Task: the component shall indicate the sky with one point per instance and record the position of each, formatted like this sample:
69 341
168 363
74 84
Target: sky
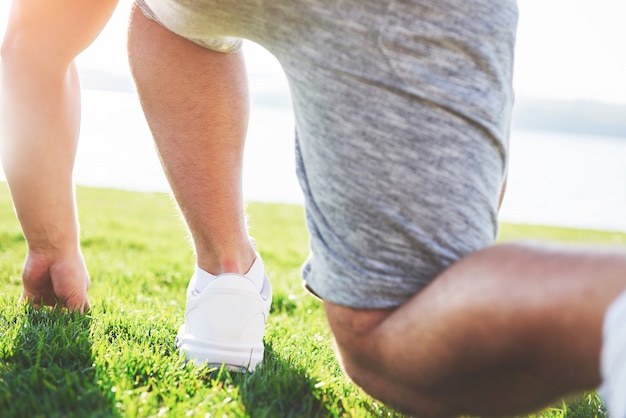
566 49
572 49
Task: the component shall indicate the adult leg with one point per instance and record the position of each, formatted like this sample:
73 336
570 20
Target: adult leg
196 103
41 118
396 184
505 330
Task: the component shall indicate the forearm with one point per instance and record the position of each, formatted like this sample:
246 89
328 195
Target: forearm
41 117
41 112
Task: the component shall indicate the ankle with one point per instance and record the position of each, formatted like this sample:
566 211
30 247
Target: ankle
201 279
228 259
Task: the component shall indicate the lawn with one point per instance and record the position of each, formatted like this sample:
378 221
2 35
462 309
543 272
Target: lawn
120 359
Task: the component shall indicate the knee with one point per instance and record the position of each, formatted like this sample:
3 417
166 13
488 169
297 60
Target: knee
366 370
361 354
353 330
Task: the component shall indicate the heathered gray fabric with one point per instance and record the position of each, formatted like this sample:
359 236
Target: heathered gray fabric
402 115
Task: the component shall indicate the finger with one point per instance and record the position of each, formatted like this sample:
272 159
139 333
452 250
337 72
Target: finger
77 302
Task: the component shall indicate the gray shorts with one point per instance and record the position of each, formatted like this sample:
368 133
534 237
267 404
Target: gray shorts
402 114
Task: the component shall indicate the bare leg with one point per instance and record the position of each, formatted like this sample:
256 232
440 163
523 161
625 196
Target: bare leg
41 118
196 103
504 331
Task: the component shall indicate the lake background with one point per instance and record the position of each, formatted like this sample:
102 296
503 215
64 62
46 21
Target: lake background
555 178
568 145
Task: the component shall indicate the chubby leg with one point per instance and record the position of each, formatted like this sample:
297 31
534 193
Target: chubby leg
40 119
196 103
503 331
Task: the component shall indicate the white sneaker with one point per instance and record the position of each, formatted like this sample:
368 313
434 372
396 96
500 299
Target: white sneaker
613 358
225 323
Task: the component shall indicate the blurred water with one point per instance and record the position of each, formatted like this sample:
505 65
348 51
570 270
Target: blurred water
556 179
566 179
116 149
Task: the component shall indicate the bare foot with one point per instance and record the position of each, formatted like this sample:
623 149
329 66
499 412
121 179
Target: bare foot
51 280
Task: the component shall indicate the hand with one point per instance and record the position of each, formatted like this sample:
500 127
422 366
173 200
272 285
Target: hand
56 279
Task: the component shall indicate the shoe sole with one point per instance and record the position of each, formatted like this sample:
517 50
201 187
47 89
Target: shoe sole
232 356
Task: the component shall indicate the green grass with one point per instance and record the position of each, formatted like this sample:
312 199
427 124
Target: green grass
120 359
